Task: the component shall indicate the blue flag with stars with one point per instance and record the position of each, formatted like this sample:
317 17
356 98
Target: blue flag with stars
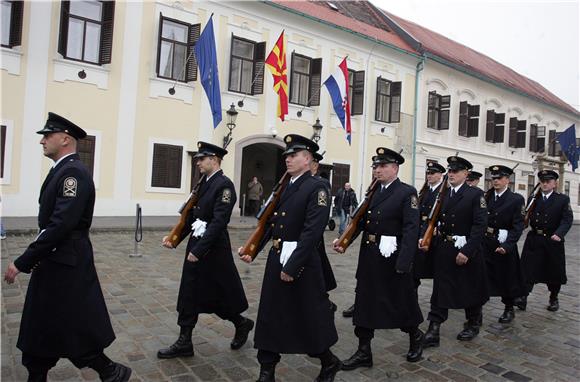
206 56
567 141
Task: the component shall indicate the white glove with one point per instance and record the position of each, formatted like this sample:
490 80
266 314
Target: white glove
288 248
460 241
198 228
502 235
388 245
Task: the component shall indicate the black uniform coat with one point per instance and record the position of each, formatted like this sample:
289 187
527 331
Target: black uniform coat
294 317
212 284
460 286
503 271
64 313
329 279
543 259
385 298
423 268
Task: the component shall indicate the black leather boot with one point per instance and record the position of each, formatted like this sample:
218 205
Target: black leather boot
431 338
333 306
115 372
183 347
242 331
521 302
507 316
37 376
415 345
470 330
363 357
349 312
267 371
328 371
554 303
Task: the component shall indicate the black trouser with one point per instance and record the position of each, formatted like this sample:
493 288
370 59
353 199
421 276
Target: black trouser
508 301
41 365
365 335
253 206
439 315
268 357
554 289
189 319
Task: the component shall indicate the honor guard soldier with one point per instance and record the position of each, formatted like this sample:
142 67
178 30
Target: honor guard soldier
294 315
505 223
64 315
459 280
473 178
423 266
210 282
386 296
329 279
543 256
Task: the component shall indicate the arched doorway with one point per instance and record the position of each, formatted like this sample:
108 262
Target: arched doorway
259 156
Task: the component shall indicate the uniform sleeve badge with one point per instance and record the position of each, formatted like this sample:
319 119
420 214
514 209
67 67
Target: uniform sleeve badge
70 187
414 202
227 195
482 202
322 198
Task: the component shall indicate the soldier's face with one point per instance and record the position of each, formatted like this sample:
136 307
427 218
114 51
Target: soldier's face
457 177
314 167
385 172
297 163
52 144
206 165
434 178
472 183
548 185
500 183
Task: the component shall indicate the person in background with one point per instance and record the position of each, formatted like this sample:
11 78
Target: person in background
473 178
345 202
255 192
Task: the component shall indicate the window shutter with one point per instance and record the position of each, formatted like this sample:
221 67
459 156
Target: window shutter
166 170
513 140
444 120
473 123
63 33
378 99
395 102
463 112
86 151
159 43
106 48
191 70
474 110
15 38
521 141
2 149
489 126
534 137
258 72
358 93
290 84
445 102
499 128
315 81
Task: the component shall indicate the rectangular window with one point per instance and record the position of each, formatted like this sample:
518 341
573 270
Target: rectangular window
86 151
388 105
517 133
340 176
531 184
175 57
305 80
247 66
494 127
86 31
11 28
554 149
567 188
166 170
468 120
537 138
356 82
2 150
438 111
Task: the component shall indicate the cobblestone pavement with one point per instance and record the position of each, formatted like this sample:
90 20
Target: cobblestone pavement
141 295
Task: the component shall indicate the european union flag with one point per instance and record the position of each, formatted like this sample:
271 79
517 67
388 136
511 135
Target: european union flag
206 56
567 142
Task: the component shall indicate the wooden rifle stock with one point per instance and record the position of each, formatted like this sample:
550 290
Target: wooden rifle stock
434 214
531 204
175 236
251 246
347 236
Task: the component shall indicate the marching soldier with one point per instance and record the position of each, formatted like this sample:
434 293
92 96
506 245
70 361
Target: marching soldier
543 256
505 223
423 267
459 280
294 315
329 279
210 282
64 313
386 297
473 178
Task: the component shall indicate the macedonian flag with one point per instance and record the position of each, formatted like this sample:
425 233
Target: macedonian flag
276 62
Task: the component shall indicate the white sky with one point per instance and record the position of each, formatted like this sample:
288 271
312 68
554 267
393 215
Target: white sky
536 38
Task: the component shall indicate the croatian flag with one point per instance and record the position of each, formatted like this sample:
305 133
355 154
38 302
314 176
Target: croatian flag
337 85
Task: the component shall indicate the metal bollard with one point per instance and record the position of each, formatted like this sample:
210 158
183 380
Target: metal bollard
138 232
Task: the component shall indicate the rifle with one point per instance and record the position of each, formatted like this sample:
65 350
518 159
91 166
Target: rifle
348 235
531 204
434 214
175 236
251 246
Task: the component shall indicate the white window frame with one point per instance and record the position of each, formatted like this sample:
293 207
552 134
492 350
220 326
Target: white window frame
166 190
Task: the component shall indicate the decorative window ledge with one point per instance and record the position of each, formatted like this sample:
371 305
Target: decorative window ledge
307 113
383 129
159 87
11 60
67 70
251 102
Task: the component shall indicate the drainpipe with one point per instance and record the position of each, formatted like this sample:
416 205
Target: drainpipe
418 69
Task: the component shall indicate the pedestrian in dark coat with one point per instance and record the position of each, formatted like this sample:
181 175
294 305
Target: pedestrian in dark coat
386 296
294 315
459 279
543 256
64 315
210 282
505 223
